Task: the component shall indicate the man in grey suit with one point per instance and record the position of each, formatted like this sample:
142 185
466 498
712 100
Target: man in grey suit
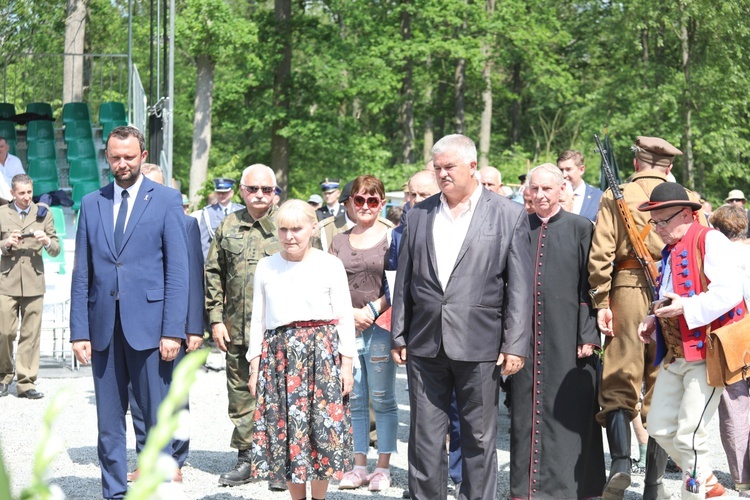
462 311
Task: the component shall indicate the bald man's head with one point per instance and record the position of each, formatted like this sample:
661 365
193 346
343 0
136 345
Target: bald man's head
153 172
422 185
491 179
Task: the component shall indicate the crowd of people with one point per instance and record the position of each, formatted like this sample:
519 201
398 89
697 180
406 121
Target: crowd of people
473 288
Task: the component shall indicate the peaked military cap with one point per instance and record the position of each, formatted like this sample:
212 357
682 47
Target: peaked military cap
223 185
655 151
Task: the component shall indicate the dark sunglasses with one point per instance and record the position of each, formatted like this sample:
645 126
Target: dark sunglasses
254 189
372 201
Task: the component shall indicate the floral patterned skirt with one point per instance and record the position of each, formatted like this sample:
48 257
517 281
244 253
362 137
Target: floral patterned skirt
302 423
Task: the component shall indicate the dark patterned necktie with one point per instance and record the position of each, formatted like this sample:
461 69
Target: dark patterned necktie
120 224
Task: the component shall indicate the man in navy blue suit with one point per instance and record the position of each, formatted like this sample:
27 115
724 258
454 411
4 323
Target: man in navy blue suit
193 329
585 196
129 296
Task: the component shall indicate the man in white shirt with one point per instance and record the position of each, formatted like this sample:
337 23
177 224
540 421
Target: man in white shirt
461 318
10 165
585 196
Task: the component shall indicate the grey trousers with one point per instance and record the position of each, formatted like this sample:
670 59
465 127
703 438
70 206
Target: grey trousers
477 385
734 424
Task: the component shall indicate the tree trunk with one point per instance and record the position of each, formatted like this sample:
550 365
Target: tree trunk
485 130
686 37
459 95
429 128
204 98
75 30
515 111
407 91
281 84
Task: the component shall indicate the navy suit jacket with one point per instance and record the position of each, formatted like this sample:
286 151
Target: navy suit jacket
196 295
486 306
590 206
150 272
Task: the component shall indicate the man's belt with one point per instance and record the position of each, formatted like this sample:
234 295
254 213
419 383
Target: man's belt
628 264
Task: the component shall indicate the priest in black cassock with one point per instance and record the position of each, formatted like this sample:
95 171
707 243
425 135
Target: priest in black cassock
556 445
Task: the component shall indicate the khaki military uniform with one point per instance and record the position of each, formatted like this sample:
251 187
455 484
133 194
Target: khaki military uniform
22 290
238 244
623 288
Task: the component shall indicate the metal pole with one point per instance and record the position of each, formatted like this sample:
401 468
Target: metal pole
130 62
170 103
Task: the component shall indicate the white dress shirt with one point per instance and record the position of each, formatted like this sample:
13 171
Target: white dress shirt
132 195
579 194
448 234
11 168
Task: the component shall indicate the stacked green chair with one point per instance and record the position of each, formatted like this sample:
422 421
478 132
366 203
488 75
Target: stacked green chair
8 130
83 169
40 108
79 149
108 127
76 112
81 189
111 116
40 130
78 130
112 112
41 149
45 186
7 110
58 216
43 169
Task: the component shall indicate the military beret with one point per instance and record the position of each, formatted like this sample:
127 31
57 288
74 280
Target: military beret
329 184
655 151
666 195
223 185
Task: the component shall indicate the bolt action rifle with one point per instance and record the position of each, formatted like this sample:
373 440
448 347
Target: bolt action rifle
642 255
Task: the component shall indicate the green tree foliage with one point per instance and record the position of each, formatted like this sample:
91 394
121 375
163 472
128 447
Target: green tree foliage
561 72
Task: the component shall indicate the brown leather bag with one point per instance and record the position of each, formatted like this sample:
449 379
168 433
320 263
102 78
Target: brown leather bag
728 353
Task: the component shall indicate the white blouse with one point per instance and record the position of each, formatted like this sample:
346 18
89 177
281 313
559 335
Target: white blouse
315 288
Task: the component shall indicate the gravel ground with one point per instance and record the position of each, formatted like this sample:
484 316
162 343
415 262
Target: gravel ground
76 469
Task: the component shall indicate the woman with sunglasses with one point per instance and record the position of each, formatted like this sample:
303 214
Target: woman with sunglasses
300 353
363 249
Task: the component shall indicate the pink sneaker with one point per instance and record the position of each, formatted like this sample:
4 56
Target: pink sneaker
354 479
380 479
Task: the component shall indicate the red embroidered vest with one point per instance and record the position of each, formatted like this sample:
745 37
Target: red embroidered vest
686 282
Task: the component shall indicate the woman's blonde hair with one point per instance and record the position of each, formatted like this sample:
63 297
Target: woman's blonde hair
294 212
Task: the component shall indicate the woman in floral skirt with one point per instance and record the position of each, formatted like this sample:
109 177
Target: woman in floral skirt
301 350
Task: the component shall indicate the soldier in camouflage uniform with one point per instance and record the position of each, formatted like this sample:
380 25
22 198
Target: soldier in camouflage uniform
241 240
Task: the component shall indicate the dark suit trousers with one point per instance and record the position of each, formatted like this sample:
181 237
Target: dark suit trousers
431 382
114 368
180 448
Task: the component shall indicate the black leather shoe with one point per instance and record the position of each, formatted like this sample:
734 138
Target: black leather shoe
4 388
242 472
31 394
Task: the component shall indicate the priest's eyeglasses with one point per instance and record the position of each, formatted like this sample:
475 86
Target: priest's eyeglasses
663 222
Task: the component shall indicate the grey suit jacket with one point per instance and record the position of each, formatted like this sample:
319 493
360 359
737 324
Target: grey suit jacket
486 307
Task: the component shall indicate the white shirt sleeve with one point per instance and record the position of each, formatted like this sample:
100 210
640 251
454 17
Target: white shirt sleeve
724 290
258 319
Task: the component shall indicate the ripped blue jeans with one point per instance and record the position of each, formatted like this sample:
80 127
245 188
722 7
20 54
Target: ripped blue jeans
374 380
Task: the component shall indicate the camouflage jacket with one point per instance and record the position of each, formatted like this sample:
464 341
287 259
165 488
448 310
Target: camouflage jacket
239 243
